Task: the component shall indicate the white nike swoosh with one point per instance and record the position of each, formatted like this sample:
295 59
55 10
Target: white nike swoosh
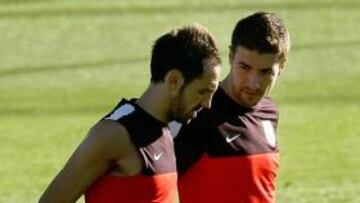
157 156
229 139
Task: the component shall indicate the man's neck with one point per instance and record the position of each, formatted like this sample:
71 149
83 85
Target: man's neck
154 102
226 86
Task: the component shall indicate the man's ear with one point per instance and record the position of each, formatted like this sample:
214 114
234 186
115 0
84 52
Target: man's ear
174 80
281 67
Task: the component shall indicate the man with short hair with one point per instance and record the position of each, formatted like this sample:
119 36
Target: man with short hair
128 155
229 153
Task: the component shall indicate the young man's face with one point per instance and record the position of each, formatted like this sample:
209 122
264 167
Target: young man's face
252 75
197 94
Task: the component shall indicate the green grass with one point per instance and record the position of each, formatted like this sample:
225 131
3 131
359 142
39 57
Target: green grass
64 64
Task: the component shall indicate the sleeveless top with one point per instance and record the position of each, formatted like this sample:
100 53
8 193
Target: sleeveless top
157 181
229 153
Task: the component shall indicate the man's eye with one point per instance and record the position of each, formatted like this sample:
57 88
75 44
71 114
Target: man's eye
202 92
267 72
244 67
205 91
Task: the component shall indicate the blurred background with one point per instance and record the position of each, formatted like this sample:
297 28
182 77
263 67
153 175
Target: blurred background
65 64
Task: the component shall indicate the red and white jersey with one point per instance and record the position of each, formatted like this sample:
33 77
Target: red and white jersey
229 153
157 181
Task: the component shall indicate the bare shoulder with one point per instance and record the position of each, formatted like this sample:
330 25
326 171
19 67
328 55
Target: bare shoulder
109 137
106 142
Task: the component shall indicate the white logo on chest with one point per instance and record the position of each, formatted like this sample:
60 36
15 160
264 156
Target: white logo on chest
230 139
157 156
269 132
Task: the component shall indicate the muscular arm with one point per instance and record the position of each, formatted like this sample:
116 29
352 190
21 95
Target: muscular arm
107 141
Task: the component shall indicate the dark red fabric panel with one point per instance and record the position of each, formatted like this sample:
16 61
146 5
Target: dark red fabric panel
243 179
133 189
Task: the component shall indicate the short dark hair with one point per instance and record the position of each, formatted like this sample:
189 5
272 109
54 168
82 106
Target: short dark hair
183 49
263 32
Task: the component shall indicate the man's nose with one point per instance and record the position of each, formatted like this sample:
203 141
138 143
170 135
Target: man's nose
206 103
254 81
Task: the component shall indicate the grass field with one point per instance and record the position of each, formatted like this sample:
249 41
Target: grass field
64 64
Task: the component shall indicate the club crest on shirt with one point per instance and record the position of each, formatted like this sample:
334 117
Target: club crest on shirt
269 132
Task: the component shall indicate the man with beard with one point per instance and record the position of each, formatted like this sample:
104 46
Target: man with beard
229 153
128 155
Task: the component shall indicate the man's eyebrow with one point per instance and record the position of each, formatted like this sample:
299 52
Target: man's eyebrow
247 65
244 64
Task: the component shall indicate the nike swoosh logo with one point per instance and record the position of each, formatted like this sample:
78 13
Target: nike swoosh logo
157 156
229 139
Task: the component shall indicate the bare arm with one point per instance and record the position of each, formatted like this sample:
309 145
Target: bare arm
107 141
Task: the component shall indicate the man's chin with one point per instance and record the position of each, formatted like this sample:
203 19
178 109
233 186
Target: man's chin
183 121
187 119
251 102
